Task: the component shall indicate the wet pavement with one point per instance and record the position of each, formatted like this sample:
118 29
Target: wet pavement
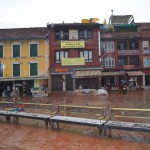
32 134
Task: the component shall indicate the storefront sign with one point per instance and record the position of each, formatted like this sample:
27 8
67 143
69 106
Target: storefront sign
128 67
61 71
72 44
146 71
58 70
72 61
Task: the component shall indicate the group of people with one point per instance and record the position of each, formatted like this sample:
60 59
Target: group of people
10 91
122 86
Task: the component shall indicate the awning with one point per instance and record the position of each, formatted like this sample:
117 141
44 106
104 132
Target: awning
109 73
135 73
87 73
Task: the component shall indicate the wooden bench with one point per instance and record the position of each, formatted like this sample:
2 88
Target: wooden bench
128 126
77 121
128 118
18 115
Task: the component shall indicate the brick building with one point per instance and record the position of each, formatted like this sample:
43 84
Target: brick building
74 55
125 51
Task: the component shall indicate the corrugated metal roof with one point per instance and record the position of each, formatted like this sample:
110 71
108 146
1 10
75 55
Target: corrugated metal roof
121 19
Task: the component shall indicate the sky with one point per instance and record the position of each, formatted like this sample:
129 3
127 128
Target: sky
37 13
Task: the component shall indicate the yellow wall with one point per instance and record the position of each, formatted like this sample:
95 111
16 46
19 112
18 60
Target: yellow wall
43 59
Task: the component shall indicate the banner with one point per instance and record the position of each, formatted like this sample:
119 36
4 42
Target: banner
73 61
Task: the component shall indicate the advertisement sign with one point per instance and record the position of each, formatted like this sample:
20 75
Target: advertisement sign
72 44
72 61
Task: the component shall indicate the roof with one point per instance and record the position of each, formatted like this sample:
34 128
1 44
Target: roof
23 33
144 25
120 35
121 19
72 25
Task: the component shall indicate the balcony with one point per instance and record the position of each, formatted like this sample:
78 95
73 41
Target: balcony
128 52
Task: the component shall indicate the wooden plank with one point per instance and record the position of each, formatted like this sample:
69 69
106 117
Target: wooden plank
3 113
129 126
130 109
77 121
29 115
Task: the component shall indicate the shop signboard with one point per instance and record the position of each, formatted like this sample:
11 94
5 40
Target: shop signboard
72 44
128 66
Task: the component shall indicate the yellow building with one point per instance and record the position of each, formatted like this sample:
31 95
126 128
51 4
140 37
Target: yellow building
24 59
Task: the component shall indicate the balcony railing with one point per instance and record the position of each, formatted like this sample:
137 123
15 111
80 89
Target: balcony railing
128 52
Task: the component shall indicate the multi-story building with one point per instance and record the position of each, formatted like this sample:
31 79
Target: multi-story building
74 55
125 51
24 58
144 31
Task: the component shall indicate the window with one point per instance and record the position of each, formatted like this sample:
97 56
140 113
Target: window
85 35
1 69
1 51
87 54
33 69
145 45
122 45
108 46
134 61
122 61
16 70
146 62
59 55
16 51
61 35
109 62
133 45
33 50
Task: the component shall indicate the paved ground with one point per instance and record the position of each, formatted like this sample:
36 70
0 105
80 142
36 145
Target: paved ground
30 135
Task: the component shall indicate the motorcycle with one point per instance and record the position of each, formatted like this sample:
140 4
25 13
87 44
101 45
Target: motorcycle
124 89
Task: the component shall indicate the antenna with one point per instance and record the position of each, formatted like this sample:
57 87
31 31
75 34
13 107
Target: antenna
112 12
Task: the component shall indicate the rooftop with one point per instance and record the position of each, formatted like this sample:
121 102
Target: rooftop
23 33
121 19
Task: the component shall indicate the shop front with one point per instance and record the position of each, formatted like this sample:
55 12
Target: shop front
87 78
23 86
137 78
147 77
61 79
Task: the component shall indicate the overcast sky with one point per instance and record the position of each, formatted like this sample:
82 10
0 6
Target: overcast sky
37 13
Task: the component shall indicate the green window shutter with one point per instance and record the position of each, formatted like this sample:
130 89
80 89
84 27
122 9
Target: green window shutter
1 51
16 70
16 50
33 69
1 70
33 50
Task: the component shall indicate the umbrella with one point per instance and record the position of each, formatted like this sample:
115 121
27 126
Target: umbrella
123 81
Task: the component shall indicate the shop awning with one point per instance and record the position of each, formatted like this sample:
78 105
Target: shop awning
109 73
135 73
87 73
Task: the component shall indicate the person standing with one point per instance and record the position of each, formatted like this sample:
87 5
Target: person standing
8 90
